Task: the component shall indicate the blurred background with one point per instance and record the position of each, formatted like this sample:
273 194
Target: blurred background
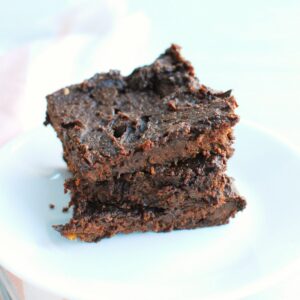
252 47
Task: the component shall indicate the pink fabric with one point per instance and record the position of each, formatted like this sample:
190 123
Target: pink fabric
17 284
13 68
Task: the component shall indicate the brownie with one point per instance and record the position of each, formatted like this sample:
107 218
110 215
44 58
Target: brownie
95 221
160 186
112 124
147 151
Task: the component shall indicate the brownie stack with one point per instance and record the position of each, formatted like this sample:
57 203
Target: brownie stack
147 151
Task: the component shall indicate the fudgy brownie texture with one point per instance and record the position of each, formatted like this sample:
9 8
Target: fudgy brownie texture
93 221
147 151
159 186
111 124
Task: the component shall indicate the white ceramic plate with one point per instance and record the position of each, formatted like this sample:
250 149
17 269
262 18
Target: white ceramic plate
230 261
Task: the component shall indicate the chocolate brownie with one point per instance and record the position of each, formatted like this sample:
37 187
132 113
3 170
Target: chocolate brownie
111 124
159 186
147 152
93 221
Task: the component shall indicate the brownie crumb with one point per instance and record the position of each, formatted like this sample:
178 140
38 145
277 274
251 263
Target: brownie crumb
66 91
172 105
51 206
47 120
146 146
65 209
152 171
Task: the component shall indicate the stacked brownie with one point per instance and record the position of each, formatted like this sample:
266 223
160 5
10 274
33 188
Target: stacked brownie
147 151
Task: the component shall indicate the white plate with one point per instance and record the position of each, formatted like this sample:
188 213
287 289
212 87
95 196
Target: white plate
234 260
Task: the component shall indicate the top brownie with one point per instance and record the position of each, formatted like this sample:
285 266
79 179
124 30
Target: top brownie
111 124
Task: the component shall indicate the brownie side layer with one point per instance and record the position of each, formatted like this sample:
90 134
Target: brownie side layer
159 186
94 223
111 125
